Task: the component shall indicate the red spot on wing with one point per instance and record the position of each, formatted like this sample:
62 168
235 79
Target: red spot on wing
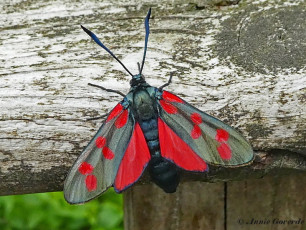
196 118
91 183
175 149
225 151
100 142
108 153
122 119
134 161
169 108
118 108
86 168
196 132
222 135
171 97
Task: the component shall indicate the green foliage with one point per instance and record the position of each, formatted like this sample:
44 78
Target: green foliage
46 211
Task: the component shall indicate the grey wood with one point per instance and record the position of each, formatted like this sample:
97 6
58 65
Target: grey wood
243 63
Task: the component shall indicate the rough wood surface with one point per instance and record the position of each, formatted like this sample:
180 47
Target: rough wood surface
244 64
185 209
272 203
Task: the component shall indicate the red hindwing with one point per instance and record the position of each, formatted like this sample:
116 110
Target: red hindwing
175 149
135 159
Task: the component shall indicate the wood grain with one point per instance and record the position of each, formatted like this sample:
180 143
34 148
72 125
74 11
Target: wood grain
272 203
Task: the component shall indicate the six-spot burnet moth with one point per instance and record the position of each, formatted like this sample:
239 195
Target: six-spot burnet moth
154 129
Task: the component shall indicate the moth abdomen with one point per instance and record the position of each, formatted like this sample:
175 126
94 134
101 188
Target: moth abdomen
164 173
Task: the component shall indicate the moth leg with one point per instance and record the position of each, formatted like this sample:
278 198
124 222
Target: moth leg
97 118
168 83
107 90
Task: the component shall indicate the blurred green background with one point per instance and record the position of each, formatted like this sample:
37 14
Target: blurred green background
46 211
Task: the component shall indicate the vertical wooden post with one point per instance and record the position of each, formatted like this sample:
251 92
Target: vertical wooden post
263 204
195 205
272 203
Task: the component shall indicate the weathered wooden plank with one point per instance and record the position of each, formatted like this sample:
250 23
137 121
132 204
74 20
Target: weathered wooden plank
48 60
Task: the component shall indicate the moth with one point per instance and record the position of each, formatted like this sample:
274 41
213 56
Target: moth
154 129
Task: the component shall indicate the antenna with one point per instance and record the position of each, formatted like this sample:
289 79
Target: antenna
96 39
146 39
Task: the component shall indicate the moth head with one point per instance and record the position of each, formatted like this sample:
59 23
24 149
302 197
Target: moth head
137 80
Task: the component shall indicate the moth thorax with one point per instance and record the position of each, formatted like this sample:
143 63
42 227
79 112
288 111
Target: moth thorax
143 105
